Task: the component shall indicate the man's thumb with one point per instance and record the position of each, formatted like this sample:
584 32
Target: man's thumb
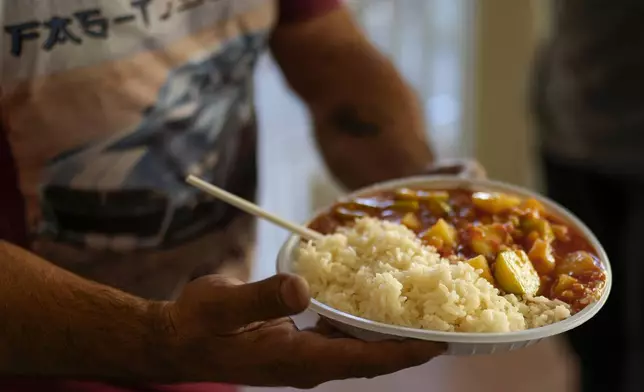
278 296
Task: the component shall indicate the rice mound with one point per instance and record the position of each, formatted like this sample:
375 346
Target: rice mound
381 271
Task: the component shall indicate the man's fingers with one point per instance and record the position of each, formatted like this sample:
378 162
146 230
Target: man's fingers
221 281
323 327
279 296
372 359
338 359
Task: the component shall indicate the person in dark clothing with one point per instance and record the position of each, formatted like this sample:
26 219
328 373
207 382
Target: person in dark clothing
588 104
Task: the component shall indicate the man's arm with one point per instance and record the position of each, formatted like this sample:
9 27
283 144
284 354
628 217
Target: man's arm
369 124
54 323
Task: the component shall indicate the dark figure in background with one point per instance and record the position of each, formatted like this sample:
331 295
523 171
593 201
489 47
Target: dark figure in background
588 101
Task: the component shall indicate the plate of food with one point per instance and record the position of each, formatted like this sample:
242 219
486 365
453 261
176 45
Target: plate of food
481 265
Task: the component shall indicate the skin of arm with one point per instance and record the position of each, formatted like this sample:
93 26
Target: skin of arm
54 323
57 325
368 122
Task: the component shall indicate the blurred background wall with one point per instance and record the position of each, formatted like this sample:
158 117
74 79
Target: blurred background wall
504 44
469 61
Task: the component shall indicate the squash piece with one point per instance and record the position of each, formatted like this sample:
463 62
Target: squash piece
532 222
405 205
439 207
411 221
494 203
515 274
577 263
542 257
443 231
564 282
480 263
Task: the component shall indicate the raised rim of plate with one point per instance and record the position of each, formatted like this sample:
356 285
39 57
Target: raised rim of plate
285 259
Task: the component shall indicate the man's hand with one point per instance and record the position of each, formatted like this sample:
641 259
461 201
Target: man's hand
219 330
240 333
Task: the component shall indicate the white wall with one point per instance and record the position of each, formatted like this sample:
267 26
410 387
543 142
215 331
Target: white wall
504 49
507 34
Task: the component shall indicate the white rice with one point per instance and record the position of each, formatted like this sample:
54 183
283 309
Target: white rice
381 271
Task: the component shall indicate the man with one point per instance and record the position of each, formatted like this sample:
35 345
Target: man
106 106
589 100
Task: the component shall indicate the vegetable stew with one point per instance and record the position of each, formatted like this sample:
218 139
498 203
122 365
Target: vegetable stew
516 243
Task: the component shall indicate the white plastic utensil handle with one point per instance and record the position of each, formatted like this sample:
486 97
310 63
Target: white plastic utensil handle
252 208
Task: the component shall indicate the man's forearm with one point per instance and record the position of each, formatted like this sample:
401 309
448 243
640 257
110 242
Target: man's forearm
54 323
369 123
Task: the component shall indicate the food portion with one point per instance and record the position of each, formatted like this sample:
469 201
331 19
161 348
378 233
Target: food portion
452 260
383 271
525 251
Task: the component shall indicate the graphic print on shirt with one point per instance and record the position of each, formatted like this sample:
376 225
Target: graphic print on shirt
128 191
107 106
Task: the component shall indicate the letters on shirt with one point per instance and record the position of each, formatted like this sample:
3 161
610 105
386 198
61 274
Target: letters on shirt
88 24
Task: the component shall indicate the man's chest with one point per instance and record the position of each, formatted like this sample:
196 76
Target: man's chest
94 92
108 104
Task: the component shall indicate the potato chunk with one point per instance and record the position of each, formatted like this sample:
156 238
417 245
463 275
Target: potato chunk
480 263
561 233
515 273
486 240
533 205
564 282
494 203
542 257
411 221
577 263
443 231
